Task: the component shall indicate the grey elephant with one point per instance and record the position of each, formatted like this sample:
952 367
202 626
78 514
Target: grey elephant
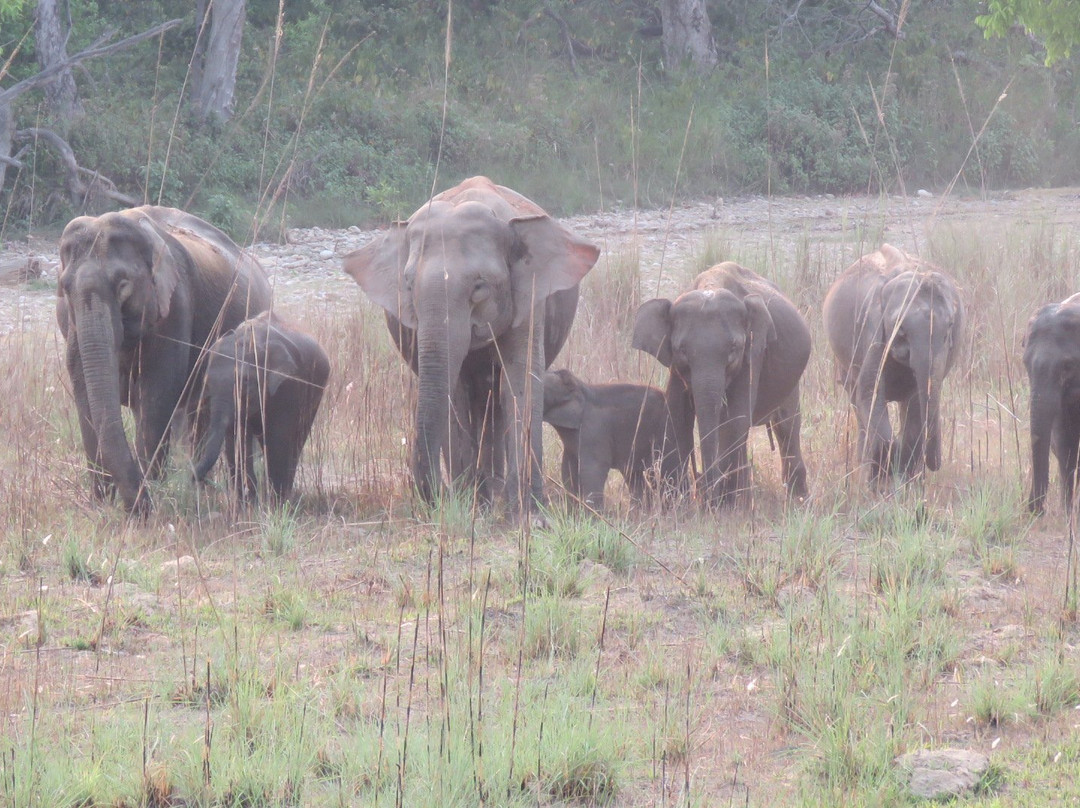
612 426
263 385
480 286
1052 360
737 349
895 326
141 293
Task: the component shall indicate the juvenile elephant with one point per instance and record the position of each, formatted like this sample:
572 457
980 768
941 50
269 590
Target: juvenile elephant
612 426
1052 360
264 383
141 293
895 326
480 286
737 349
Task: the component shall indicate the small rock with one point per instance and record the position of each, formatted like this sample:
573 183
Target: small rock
922 192
178 564
325 254
944 772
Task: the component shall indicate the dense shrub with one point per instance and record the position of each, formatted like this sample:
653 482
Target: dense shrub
344 122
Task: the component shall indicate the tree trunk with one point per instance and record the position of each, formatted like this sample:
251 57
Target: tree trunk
687 34
7 137
215 73
50 38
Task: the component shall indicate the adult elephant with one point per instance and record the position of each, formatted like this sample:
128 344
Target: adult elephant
141 293
895 327
736 348
480 285
1052 360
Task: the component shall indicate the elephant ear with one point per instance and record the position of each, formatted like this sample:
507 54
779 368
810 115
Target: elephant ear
379 268
264 360
279 367
761 329
564 399
163 267
545 258
652 329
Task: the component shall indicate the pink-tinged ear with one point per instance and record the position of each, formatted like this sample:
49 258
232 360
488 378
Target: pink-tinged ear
379 268
163 270
652 329
545 258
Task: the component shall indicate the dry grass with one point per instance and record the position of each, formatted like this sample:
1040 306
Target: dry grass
353 651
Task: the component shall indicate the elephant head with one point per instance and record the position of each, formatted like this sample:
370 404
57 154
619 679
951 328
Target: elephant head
140 292
921 322
714 341
473 267
564 399
1052 361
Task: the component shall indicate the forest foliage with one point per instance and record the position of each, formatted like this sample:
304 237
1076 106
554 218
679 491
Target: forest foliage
349 113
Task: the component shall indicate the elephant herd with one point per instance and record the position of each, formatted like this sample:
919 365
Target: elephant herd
164 314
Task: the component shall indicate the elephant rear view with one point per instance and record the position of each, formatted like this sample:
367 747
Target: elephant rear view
737 349
895 326
480 286
141 293
263 384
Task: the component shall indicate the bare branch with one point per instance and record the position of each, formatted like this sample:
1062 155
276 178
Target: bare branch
95 50
892 23
79 190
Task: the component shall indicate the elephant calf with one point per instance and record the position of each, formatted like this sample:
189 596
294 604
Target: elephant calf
1052 360
264 382
895 326
611 426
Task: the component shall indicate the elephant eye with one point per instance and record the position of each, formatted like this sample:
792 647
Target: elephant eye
481 291
124 290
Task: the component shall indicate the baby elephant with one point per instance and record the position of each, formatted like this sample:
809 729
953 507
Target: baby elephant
611 426
264 382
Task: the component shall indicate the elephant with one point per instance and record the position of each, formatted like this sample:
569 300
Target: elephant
895 325
264 382
612 426
141 293
480 287
1052 360
736 349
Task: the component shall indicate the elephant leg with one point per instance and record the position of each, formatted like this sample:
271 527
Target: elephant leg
571 477
786 425
1067 448
912 437
459 448
155 397
733 460
593 477
875 432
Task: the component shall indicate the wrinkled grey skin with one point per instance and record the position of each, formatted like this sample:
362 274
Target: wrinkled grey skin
488 283
141 293
264 382
737 349
1052 360
895 327
612 426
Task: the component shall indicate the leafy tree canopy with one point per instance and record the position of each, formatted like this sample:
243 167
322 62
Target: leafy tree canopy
1056 23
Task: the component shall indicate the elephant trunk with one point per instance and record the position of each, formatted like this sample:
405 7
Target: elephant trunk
98 346
441 354
1045 410
710 404
222 419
